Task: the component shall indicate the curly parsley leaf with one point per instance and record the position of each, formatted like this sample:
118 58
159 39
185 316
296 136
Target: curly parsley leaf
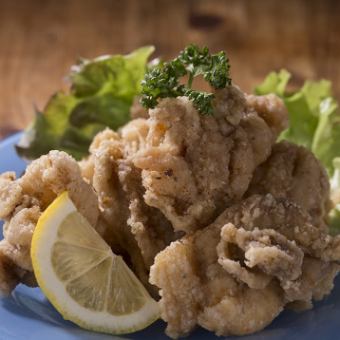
163 80
202 100
101 94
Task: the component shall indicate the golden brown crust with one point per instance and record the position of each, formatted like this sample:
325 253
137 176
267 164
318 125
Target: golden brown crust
293 173
23 200
193 166
236 275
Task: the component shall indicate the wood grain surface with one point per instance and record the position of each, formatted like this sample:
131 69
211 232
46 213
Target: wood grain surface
41 39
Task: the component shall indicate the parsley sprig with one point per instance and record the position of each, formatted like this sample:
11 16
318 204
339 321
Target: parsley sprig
163 80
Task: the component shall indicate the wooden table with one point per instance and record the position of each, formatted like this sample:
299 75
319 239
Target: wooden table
40 39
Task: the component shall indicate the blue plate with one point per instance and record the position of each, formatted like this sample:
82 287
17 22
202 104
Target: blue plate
28 315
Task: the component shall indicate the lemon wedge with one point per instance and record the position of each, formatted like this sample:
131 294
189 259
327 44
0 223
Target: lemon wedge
82 278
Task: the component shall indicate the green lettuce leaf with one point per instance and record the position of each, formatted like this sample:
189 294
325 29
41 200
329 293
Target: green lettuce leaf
275 82
326 141
314 119
101 94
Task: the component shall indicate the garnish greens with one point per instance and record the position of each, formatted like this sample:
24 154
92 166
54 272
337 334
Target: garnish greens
101 94
163 80
314 122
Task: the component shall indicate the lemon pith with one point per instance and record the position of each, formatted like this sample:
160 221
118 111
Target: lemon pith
82 278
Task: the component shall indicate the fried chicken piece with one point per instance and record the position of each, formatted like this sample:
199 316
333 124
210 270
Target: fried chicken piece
134 135
287 218
246 312
270 108
86 166
316 281
52 174
10 274
152 231
302 278
106 149
10 194
23 200
19 229
266 250
133 229
196 290
292 172
322 251
195 165
237 274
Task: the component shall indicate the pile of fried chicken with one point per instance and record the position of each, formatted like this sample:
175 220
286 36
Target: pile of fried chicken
221 223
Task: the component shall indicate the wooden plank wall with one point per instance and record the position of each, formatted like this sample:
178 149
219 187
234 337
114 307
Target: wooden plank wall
40 39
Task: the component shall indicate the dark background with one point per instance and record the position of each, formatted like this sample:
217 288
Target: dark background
41 39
